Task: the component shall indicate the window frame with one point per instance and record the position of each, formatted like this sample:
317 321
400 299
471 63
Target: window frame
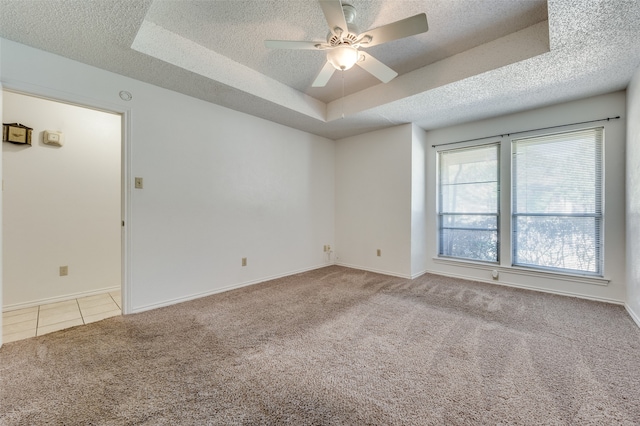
599 217
506 257
439 203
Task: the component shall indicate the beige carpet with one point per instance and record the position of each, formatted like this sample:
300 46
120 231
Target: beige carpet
336 346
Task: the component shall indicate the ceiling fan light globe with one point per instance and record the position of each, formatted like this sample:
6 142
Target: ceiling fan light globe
342 57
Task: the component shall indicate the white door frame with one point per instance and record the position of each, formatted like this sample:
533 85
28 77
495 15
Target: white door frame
125 166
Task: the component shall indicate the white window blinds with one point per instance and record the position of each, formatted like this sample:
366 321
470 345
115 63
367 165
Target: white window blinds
557 202
468 203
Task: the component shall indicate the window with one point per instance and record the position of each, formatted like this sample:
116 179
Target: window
468 211
557 202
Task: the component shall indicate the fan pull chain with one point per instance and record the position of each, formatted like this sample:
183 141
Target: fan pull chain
342 93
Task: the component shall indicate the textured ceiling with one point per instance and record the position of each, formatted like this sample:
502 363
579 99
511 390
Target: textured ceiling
237 30
480 58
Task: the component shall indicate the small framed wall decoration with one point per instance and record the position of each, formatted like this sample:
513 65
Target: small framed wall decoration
16 133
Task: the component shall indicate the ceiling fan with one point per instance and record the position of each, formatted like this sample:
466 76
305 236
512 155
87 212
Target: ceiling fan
344 41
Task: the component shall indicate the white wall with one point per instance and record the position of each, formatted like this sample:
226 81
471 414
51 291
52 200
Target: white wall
419 244
373 201
633 197
61 204
609 105
219 185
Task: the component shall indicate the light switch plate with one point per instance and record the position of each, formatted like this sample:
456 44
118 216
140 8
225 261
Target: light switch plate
138 183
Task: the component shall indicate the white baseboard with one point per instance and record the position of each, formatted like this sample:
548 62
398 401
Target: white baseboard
377 271
419 274
526 287
64 298
635 317
170 302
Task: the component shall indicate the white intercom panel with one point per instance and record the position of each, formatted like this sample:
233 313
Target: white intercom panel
52 138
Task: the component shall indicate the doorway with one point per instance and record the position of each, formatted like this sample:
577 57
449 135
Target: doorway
62 211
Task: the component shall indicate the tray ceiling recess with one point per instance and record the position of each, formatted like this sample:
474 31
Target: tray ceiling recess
170 35
479 58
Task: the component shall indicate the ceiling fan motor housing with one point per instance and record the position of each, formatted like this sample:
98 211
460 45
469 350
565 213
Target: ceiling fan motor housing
349 38
352 31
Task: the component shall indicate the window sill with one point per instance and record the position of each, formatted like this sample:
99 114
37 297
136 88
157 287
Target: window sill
582 279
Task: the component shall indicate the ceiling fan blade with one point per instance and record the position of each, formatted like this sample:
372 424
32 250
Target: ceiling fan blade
376 68
400 29
296 45
334 15
325 74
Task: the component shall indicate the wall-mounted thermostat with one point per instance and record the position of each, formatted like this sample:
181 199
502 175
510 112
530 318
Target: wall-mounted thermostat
52 138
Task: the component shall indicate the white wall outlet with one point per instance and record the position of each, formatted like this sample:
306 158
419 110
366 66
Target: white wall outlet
64 271
244 261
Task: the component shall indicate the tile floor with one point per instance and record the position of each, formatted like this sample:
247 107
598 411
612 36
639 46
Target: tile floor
38 320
